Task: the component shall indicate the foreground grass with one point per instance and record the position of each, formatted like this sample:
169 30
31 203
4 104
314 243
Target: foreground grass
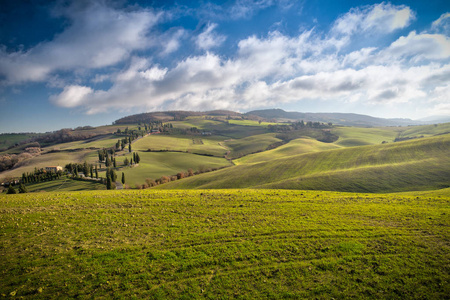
225 244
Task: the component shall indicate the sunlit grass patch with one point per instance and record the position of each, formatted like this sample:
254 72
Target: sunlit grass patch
224 244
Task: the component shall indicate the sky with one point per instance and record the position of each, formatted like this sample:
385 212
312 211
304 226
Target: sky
65 64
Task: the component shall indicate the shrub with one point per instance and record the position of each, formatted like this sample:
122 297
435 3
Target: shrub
164 179
11 190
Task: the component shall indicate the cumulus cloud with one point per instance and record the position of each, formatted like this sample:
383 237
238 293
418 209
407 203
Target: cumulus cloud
72 96
98 36
419 47
208 39
383 17
442 24
263 71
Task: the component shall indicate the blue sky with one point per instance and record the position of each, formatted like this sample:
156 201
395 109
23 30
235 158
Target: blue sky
68 63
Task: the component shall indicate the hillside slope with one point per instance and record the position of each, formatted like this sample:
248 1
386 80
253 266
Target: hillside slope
413 165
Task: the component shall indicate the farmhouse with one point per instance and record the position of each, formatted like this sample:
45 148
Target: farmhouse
53 169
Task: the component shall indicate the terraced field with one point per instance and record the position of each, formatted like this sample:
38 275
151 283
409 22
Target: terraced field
225 244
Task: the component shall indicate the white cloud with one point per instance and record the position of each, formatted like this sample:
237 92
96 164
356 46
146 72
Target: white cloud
382 18
72 96
98 36
263 72
442 24
418 47
171 41
208 39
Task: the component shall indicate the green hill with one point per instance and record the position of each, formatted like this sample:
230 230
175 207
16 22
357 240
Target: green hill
294 147
356 136
413 165
425 130
191 144
252 144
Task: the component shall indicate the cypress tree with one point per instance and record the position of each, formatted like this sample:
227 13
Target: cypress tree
22 188
108 183
123 178
137 159
129 147
113 175
11 190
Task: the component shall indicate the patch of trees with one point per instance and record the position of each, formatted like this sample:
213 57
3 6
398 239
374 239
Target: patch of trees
406 138
39 175
9 161
298 125
88 170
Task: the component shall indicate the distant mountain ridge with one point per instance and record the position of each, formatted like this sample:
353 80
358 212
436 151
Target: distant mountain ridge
347 119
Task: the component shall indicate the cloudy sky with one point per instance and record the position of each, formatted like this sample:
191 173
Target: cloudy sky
73 63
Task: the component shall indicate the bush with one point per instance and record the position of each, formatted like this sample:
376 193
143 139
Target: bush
11 190
150 182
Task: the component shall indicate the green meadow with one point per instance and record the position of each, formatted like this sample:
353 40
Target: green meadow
192 144
221 244
252 144
427 130
153 165
294 147
355 136
65 184
102 142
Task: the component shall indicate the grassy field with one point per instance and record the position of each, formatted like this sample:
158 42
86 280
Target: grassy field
98 142
426 130
224 244
7 140
412 165
156 164
252 123
64 184
192 144
252 144
294 147
355 136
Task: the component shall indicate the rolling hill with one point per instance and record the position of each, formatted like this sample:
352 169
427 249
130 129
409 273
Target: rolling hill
412 165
